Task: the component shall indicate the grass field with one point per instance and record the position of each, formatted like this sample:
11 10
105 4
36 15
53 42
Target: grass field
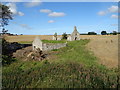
105 47
69 67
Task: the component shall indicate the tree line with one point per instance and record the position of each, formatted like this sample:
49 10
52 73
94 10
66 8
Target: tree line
102 33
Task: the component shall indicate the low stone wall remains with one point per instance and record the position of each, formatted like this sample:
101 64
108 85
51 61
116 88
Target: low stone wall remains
50 46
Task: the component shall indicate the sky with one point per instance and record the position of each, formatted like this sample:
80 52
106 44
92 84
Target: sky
46 18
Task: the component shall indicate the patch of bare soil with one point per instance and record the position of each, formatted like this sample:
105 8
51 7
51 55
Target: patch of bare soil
106 49
27 54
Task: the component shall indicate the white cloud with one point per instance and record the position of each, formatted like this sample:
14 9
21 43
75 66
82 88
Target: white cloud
20 14
114 24
13 9
114 16
33 3
51 21
25 26
56 14
113 9
102 13
45 11
22 25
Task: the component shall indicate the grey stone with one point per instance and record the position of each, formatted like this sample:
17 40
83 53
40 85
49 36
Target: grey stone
74 36
38 44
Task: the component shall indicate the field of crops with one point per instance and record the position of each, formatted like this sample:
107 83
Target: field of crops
73 67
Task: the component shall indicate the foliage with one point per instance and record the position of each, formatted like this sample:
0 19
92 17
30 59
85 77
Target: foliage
103 33
6 56
55 35
92 33
64 36
4 31
5 15
114 32
74 67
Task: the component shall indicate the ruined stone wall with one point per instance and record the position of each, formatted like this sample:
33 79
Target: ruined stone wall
48 46
37 43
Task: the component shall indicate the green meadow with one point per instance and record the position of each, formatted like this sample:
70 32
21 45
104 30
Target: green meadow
73 67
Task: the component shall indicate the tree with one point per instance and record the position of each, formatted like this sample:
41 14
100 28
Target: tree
114 32
55 35
92 33
64 36
4 31
5 15
103 33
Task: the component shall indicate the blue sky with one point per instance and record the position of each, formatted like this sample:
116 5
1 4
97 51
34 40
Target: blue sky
46 18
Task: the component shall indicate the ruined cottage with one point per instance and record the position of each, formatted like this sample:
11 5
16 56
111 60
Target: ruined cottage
74 36
38 44
56 38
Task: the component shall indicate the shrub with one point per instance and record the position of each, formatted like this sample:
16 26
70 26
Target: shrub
103 33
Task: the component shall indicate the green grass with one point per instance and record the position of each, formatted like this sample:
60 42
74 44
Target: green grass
25 42
44 41
74 67
53 41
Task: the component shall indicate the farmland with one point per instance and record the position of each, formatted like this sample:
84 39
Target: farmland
104 47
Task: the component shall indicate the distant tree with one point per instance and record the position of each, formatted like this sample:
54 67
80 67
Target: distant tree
92 33
55 35
114 32
64 36
103 33
83 33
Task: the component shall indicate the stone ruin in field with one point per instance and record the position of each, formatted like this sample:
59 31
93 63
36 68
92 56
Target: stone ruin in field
56 38
38 44
74 36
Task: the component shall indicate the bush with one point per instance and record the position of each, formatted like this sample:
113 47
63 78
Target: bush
103 33
6 55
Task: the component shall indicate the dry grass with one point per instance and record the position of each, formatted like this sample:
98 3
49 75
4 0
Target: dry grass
105 47
20 38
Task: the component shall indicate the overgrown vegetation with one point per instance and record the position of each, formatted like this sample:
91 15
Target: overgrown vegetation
6 55
74 67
